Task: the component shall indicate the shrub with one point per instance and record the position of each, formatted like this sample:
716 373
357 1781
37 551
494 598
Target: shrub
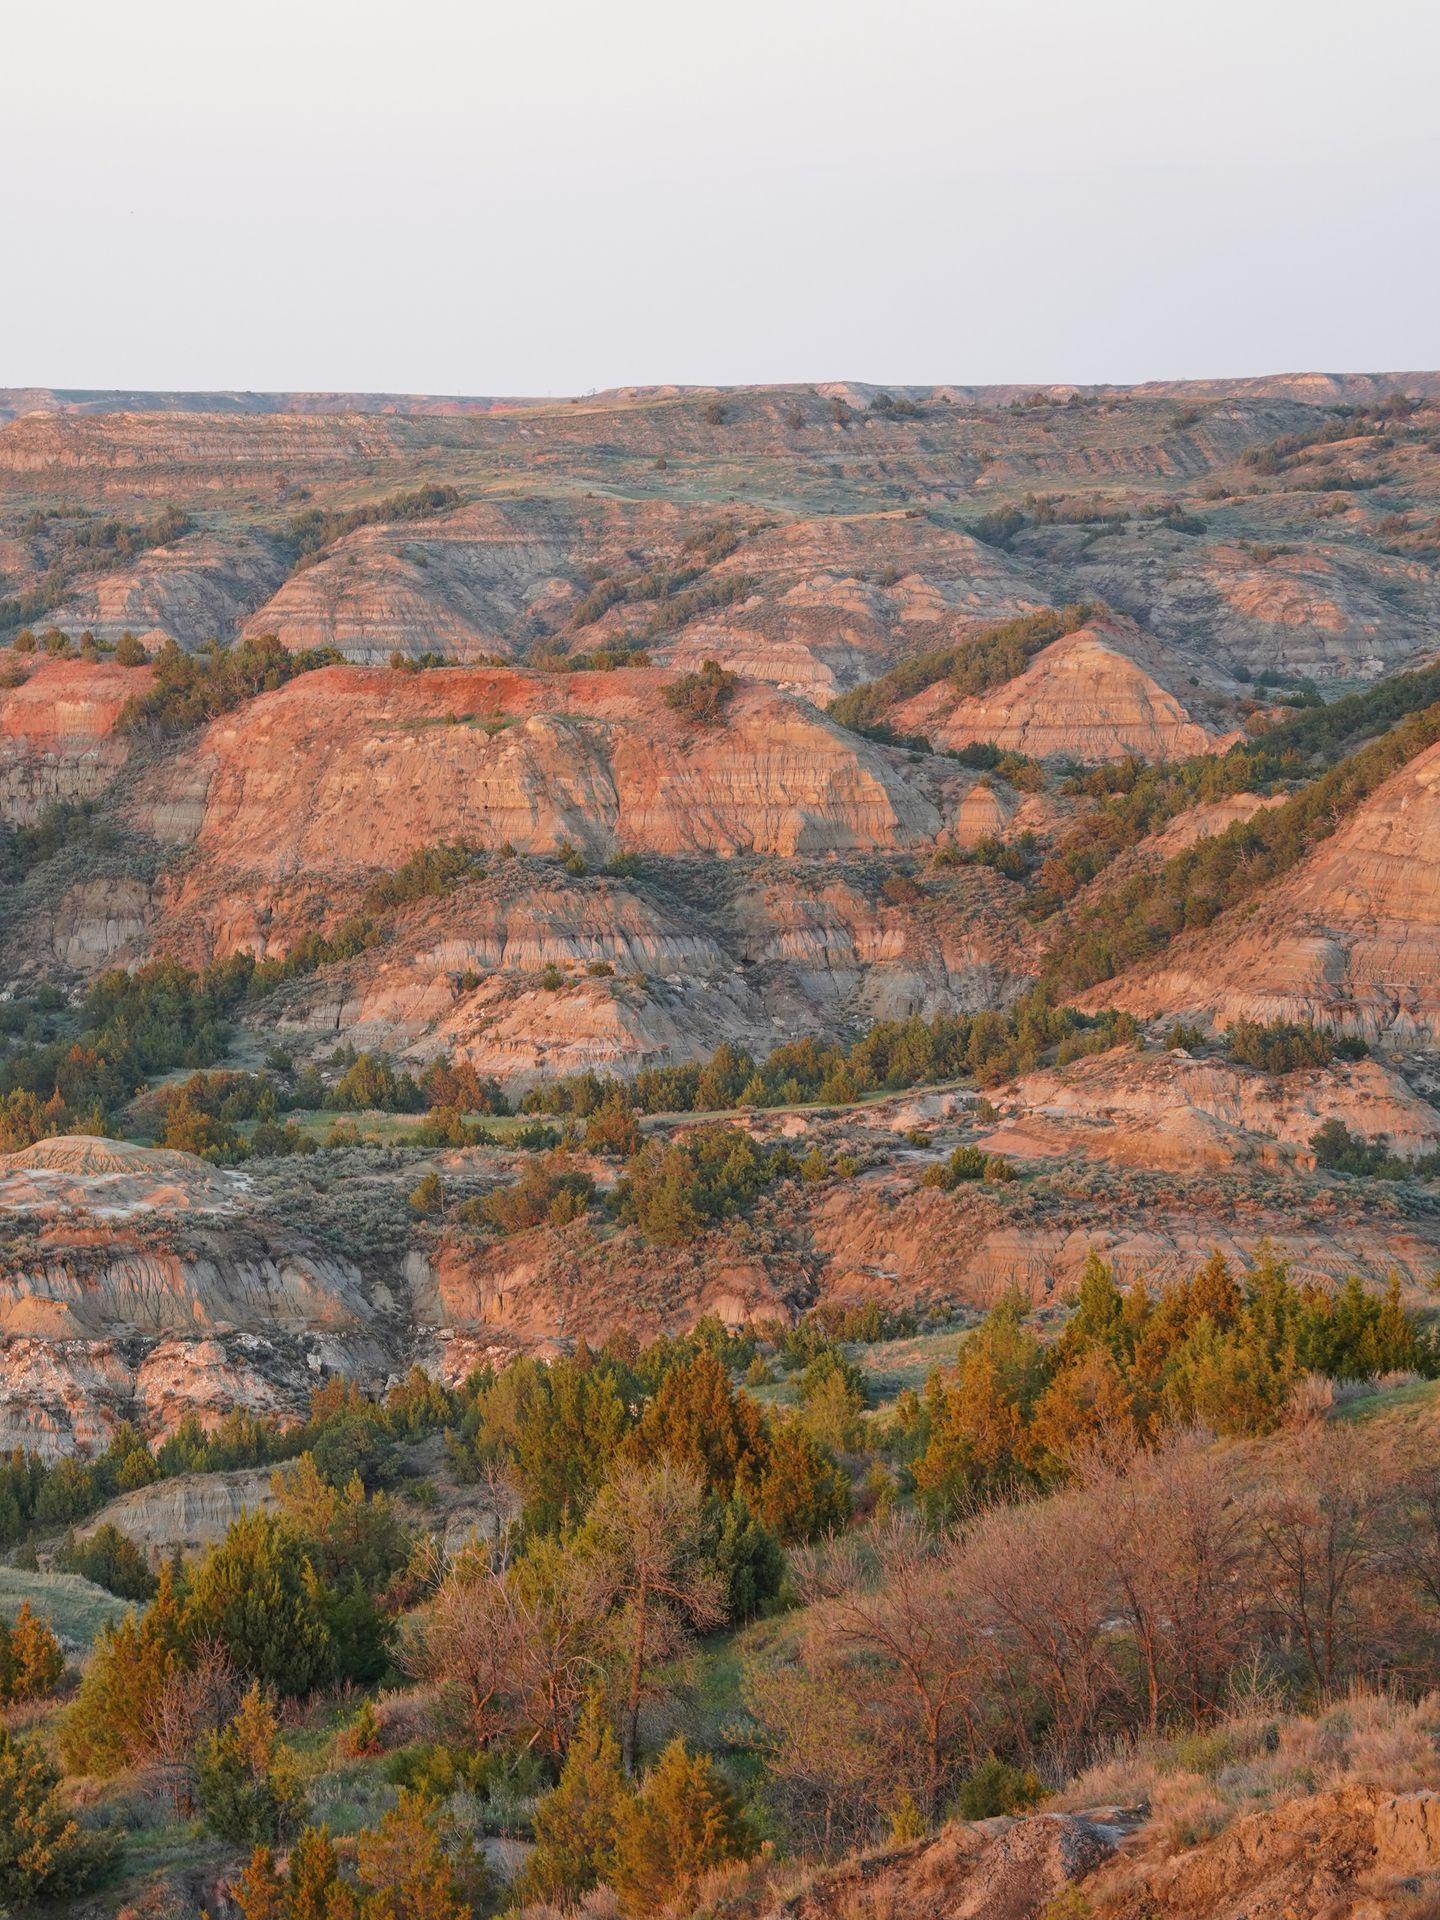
44 1854
702 697
995 1788
1283 1047
684 1821
112 1560
965 1163
548 1189
191 688
248 1789
427 1196
362 1739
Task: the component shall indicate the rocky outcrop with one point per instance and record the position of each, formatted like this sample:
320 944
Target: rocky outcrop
112 1178
1317 609
1169 1110
644 975
1002 1869
58 739
1103 692
199 589
811 605
1355 1853
474 583
62 1395
347 771
141 1284
1359 1852
1350 939
186 1513
94 924
834 601
887 1238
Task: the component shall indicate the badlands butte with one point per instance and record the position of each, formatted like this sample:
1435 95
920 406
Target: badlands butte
478 875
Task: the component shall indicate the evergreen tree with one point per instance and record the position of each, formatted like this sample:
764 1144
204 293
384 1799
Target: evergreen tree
803 1494
567 1438
31 1662
1088 1400
107 1727
257 1595
259 1893
406 1872
43 1852
575 1824
697 1421
979 1442
112 1560
747 1557
248 1788
309 1889
1099 1316
684 1821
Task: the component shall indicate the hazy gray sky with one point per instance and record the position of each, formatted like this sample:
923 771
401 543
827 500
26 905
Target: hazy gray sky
549 195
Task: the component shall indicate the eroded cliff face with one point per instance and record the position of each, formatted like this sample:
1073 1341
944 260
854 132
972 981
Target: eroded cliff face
891 1240
1350 939
855 513
651 973
785 884
199 589
58 738
1361 1851
834 601
348 771
1104 692
1324 610
479 581
143 1285
1169 1110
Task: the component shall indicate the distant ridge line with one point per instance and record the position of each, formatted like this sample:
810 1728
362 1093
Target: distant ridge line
1319 389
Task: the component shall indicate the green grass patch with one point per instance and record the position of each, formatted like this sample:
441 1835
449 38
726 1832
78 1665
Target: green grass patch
889 1366
1385 1403
77 1609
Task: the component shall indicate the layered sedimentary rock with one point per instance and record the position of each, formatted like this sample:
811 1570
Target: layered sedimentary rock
893 1240
1167 1109
476 582
808 604
199 589
1103 692
526 974
831 602
188 1512
351 771
140 1284
1317 609
58 738
1349 939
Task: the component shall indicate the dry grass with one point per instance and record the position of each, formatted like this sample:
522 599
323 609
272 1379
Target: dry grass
1194 1784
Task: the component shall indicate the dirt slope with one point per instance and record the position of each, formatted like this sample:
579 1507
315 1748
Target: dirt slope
1351 938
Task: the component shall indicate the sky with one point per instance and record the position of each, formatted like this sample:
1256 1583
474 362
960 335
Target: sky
553 196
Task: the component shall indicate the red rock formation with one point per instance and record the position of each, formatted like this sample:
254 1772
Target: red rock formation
57 734
351 771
